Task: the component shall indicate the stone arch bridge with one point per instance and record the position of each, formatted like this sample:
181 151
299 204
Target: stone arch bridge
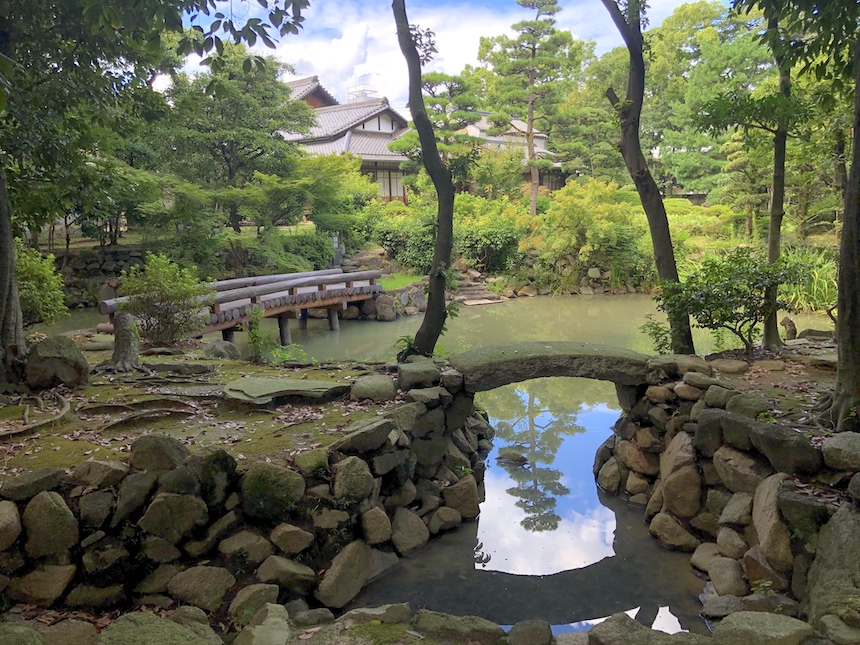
487 368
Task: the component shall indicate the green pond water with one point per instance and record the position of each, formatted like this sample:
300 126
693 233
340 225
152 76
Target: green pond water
548 543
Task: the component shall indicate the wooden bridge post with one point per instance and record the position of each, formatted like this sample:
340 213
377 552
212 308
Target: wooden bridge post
228 335
303 319
333 320
284 329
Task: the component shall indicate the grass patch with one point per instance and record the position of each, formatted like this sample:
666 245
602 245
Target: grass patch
398 280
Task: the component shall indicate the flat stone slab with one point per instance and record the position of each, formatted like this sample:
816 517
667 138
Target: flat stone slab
268 391
481 301
487 368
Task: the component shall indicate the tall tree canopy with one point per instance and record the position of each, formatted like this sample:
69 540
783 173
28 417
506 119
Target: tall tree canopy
62 66
529 71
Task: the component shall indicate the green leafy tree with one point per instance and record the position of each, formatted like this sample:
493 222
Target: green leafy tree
530 71
62 65
222 139
498 172
168 301
729 293
451 106
628 18
41 287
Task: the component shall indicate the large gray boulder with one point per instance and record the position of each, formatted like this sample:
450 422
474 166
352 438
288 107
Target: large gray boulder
463 497
620 629
51 527
146 629
246 547
133 493
291 539
31 483
269 492
747 627
215 469
221 349
834 575
787 450
19 635
42 586
249 601
376 526
667 529
157 452
421 373
738 471
202 586
287 574
376 387
842 451
366 435
352 479
774 538
457 629
346 576
386 309
408 531
56 361
174 517
100 474
10 524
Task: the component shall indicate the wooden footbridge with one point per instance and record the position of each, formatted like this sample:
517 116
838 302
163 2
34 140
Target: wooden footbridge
282 296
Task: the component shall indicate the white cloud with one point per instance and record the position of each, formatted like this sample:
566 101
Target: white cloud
579 540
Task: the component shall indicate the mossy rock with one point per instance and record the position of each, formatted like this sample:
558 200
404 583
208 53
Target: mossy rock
270 492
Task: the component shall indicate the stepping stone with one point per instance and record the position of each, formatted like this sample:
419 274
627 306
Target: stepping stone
272 391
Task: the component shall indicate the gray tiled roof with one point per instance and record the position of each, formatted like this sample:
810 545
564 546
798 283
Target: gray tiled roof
337 119
303 87
370 146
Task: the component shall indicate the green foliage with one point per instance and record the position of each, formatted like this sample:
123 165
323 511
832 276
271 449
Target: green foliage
728 293
261 255
498 172
659 333
408 236
265 348
315 248
817 290
715 222
591 224
39 285
167 300
487 232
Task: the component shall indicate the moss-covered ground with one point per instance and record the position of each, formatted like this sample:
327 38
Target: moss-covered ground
105 416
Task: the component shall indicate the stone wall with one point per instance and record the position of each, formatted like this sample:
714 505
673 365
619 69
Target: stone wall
86 273
170 525
748 498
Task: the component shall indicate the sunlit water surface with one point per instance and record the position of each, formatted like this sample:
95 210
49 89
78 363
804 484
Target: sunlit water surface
548 544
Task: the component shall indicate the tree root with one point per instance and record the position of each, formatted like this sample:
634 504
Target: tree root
121 367
840 413
65 408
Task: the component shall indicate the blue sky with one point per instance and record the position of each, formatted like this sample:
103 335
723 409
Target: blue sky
345 42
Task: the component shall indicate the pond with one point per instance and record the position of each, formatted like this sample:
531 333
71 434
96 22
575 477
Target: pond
548 544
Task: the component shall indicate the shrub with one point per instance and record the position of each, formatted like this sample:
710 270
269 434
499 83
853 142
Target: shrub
487 231
727 293
168 301
408 236
817 291
315 248
591 224
39 285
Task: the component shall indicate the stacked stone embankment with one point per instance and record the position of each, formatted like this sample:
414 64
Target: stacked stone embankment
171 526
761 506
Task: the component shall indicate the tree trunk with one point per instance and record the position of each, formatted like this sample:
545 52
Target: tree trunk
841 169
534 172
843 413
771 339
126 348
12 343
235 220
34 237
434 318
631 149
